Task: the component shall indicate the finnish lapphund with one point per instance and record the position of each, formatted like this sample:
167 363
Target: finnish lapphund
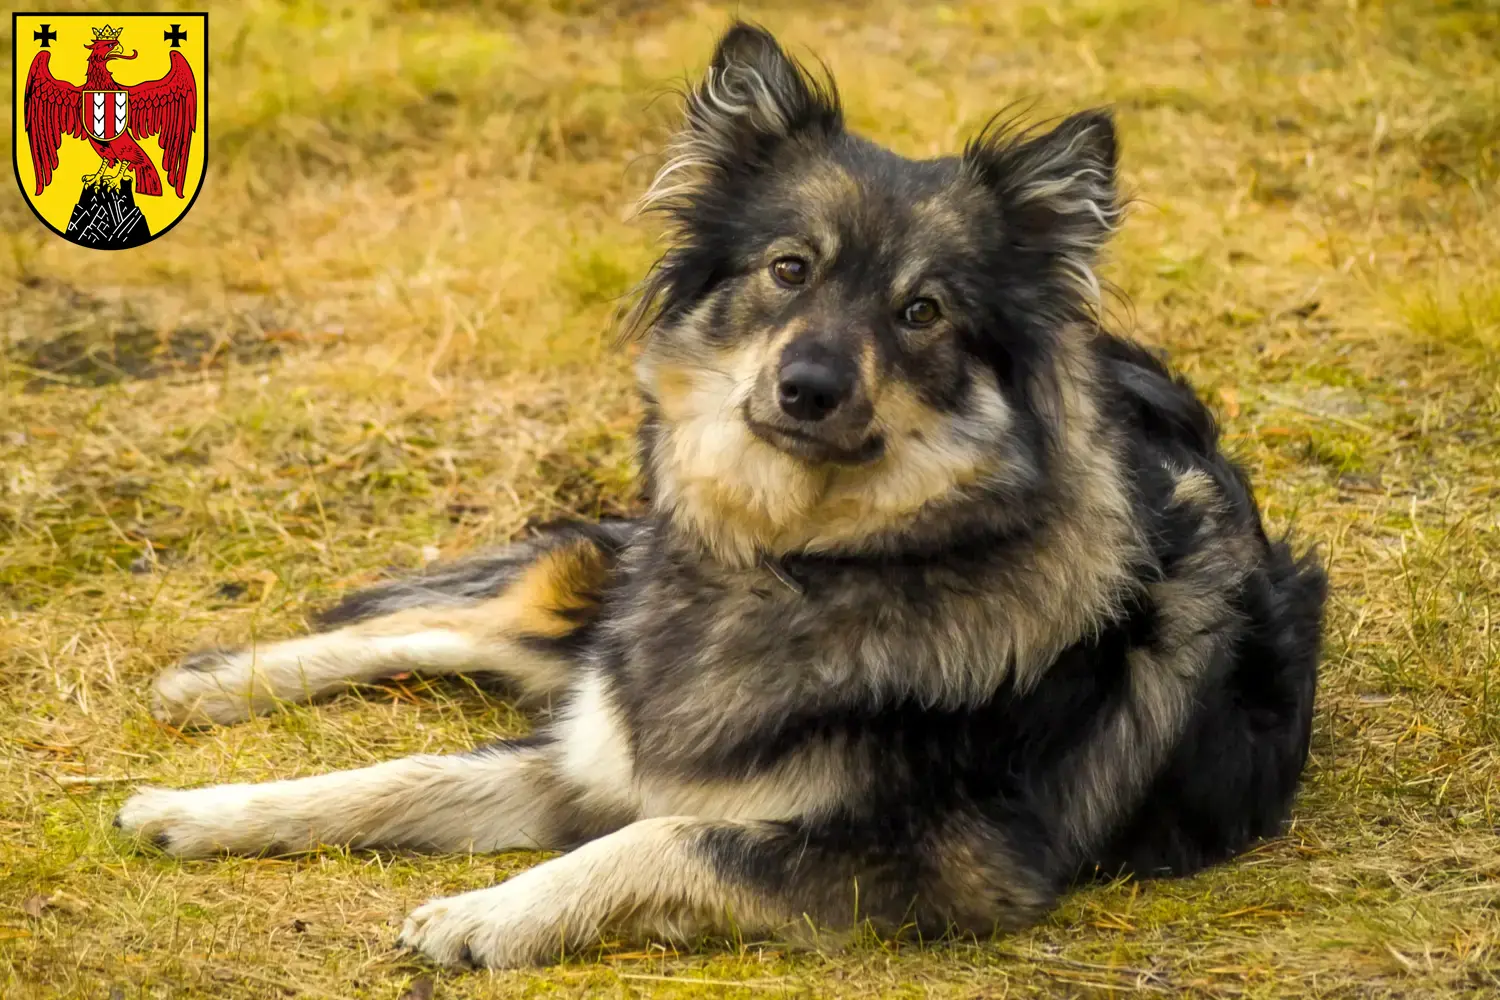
946 599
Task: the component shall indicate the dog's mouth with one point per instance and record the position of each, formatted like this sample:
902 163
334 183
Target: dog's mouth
815 449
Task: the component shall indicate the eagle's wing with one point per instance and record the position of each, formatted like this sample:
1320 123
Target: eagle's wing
53 109
167 108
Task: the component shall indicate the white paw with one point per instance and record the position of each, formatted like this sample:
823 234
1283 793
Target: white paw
522 922
193 823
210 687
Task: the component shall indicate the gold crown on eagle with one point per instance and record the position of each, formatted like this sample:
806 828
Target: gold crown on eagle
107 32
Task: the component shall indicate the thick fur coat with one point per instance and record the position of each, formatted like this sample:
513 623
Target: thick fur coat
946 599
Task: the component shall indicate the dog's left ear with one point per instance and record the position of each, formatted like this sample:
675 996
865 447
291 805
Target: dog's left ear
1057 191
752 98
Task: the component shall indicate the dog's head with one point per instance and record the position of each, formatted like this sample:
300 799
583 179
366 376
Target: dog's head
844 345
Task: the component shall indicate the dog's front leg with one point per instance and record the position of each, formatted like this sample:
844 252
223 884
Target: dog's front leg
508 796
653 877
680 877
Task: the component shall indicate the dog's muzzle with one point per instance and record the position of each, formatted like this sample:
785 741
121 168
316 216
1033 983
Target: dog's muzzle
820 411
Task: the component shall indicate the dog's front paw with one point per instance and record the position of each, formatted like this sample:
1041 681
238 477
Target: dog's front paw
193 823
209 687
516 924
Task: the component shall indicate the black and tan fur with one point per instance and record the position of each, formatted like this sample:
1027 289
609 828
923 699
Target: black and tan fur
946 599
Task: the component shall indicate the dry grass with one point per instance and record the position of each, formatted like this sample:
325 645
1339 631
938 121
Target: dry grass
382 333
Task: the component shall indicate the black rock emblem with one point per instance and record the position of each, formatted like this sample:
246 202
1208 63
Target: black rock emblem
106 218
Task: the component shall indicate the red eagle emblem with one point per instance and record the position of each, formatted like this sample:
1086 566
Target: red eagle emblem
112 117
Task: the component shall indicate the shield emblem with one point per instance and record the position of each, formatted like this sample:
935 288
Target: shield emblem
109 120
105 113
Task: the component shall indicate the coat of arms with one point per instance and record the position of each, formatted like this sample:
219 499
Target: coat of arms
107 163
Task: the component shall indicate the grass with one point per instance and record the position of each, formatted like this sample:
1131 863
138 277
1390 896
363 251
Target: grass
382 335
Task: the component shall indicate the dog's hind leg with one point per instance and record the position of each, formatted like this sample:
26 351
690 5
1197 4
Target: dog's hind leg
520 613
501 797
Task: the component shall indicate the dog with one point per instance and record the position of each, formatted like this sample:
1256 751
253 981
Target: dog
946 600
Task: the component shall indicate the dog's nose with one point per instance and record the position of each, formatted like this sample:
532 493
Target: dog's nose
812 389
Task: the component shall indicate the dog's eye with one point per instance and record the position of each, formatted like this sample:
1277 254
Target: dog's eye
789 271
920 312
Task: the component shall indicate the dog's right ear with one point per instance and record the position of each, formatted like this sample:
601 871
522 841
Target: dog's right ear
753 97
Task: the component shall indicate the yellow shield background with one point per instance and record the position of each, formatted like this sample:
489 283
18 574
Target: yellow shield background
76 157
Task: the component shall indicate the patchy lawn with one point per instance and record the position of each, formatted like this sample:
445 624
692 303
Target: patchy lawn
383 334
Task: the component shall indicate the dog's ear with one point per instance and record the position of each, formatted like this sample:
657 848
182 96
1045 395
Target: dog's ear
752 100
752 97
1057 191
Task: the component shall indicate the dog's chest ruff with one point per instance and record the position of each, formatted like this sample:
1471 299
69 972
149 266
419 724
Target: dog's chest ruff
701 668
600 759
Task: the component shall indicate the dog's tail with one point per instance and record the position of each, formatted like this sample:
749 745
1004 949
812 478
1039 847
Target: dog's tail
1233 776
1298 594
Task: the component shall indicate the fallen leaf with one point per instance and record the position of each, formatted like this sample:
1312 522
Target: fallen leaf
1231 401
420 989
1406 963
262 584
